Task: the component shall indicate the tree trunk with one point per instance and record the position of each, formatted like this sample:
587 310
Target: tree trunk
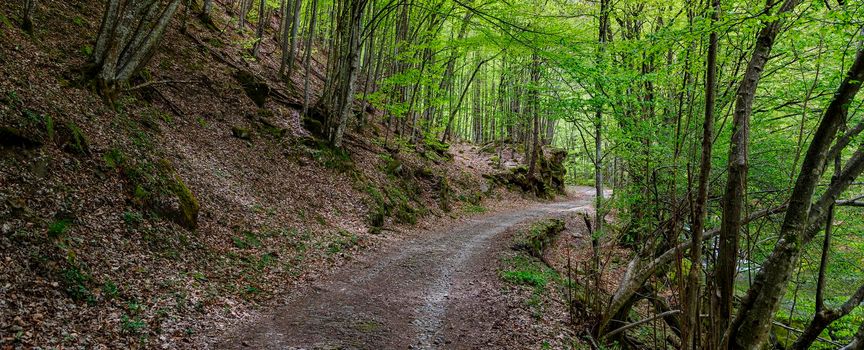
535 111
337 100
263 21
313 10
27 18
129 34
455 109
752 323
691 331
736 183
206 11
286 24
292 51
599 216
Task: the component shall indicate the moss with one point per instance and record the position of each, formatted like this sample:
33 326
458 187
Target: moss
189 206
538 237
241 133
77 142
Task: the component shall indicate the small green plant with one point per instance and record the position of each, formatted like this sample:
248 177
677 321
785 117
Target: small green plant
345 241
114 158
132 325
109 290
76 280
87 50
528 271
58 228
247 240
132 218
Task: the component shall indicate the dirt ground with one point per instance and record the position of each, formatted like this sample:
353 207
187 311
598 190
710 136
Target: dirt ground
438 289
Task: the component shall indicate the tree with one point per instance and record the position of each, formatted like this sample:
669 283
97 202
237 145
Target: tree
27 16
128 37
736 182
337 100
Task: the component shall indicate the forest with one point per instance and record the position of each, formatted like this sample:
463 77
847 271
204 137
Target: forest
719 144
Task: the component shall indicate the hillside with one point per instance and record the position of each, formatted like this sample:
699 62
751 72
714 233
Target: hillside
127 222
431 174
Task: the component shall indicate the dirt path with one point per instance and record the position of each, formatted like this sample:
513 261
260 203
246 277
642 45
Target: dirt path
422 293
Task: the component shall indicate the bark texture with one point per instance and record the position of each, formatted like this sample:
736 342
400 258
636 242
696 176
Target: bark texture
128 37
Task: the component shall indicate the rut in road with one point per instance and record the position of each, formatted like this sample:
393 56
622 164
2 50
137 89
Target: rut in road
415 294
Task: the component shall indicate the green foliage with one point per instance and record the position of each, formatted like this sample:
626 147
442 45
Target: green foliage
538 237
246 240
528 271
58 228
76 283
474 209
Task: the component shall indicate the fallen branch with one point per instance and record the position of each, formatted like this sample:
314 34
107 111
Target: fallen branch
155 82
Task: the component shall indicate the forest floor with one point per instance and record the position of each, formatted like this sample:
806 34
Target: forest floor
435 288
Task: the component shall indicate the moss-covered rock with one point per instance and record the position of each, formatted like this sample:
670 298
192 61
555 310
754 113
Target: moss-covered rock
189 207
538 237
241 133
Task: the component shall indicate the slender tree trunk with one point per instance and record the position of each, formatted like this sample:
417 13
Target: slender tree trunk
535 113
263 21
599 216
736 183
292 51
313 10
27 18
691 331
244 9
448 129
206 11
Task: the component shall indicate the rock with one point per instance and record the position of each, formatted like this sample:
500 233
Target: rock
484 187
189 206
255 87
12 137
241 133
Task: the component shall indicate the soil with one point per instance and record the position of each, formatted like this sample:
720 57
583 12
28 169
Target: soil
438 289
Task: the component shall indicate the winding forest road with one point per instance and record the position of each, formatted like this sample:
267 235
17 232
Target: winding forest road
422 293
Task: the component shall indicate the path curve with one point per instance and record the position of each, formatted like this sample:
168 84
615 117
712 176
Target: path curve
405 297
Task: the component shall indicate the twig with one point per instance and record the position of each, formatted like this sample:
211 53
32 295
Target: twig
778 324
637 323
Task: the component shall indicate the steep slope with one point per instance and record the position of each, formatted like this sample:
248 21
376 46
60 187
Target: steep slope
126 222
